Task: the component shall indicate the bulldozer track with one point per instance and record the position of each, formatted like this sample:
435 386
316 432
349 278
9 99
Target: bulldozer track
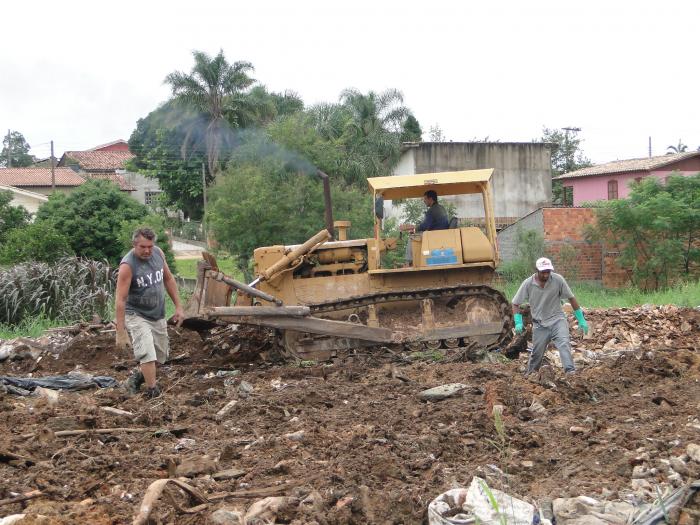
458 293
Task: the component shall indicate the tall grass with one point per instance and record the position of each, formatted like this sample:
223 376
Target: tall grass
70 289
29 327
591 295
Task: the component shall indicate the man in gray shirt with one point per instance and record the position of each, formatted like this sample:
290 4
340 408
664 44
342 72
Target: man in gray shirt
545 291
143 279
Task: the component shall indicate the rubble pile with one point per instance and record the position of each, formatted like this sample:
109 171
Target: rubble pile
358 440
648 327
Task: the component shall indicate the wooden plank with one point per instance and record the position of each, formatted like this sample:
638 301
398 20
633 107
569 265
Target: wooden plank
464 331
259 311
315 325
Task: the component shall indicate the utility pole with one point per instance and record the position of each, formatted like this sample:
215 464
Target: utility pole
53 170
9 147
650 145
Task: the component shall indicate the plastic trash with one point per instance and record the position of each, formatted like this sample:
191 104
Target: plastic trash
72 381
479 504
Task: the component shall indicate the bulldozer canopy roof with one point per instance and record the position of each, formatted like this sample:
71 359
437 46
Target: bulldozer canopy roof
446 183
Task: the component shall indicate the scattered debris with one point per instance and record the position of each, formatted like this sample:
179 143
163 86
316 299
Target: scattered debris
372 451
154 492
226 409
479 504
441 392
232 473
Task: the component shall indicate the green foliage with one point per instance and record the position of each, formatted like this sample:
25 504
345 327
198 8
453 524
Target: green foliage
157 143
188 267
567 156
11 217
69 290
529 246
396 257
29 327
656 229
411 131
19 151
39 241
92 217
216 90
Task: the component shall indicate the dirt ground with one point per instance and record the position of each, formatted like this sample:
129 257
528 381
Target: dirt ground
350 441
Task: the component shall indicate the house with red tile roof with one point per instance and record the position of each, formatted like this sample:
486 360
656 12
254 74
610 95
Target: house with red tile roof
116 145
109 161
612 180
39 179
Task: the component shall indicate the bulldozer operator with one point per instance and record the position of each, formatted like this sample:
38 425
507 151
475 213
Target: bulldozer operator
435 219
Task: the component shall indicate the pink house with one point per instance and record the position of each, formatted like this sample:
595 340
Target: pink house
612 180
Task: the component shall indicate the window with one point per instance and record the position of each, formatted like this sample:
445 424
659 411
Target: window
612 190
151 198
568 197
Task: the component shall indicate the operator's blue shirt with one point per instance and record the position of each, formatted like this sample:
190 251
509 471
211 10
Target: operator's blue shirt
435 219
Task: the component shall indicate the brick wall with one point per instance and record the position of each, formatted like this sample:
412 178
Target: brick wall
613 275
565 243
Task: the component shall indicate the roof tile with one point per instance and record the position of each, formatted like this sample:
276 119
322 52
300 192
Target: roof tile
99 160
28 177
623 166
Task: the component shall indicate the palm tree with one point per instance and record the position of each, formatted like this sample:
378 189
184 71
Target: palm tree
372 130
374 112
215 89
677 149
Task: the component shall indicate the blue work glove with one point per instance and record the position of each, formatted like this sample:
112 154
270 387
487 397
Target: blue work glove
582 324
519 327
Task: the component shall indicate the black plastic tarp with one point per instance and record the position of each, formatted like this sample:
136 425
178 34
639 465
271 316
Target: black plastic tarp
63 382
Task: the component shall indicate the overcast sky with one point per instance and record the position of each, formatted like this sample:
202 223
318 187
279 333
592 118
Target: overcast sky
81 73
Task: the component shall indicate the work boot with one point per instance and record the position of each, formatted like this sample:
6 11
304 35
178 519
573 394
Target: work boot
151 393
134 382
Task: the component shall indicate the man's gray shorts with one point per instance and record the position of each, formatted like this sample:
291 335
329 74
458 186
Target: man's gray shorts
149 339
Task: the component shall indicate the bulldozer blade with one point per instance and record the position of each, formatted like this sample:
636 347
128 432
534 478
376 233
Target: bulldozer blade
314 325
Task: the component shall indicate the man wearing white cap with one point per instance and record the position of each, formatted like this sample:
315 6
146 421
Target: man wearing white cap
545 291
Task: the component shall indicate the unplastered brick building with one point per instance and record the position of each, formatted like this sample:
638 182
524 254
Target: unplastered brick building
563 230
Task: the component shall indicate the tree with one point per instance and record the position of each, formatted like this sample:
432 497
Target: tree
680 148
156 143
372 131
411 131
567 156
656 229
19 151
94 218
38 241
215 89
11 217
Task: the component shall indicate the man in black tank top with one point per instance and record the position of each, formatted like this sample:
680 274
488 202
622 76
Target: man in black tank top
143 279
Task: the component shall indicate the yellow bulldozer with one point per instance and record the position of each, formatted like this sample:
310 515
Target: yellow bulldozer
331 294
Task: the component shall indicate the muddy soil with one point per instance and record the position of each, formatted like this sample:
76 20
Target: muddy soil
351 438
